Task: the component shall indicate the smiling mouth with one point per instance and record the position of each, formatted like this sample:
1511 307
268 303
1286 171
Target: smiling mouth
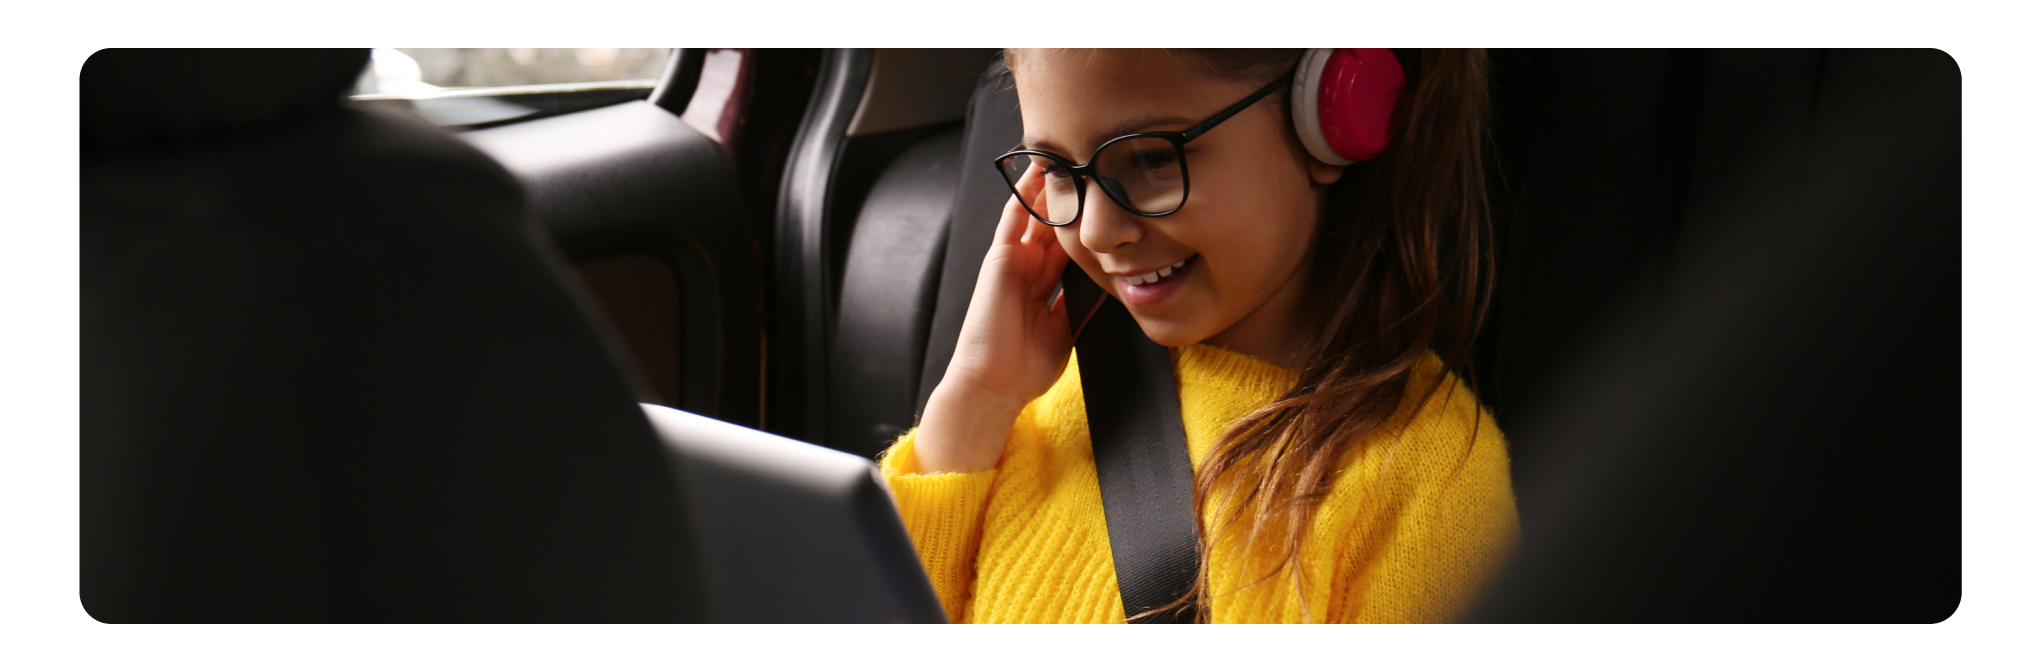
1156 276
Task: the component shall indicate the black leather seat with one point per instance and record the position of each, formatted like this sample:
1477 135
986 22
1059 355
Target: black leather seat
889 277
911 263
991 129
331 373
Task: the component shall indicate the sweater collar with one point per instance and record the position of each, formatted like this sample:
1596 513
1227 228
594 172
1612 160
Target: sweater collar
1242 374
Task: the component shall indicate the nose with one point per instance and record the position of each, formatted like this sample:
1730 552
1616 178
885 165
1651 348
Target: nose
1104 226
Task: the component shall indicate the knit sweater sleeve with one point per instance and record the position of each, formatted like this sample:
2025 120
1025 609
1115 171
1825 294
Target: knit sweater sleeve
944 515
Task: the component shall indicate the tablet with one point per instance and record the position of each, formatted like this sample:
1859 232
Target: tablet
791 532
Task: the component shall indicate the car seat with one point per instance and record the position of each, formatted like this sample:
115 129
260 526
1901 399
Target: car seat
856 249
330 372
890 274
910 262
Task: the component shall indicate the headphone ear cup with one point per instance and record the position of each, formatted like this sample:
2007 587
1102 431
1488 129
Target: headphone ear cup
1303 106
1343 102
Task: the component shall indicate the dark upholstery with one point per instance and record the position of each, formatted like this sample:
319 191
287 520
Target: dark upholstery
991 128
1762 422
890 275
330 373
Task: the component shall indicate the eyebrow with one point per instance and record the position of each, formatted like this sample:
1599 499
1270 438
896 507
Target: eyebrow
1127 127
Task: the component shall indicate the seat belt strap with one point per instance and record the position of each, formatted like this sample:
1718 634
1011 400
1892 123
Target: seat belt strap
1142 454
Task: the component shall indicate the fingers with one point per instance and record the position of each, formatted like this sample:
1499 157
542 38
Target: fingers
1034 188
1035 231
1040 267
1025 251
1031 184
1012 224
1047 276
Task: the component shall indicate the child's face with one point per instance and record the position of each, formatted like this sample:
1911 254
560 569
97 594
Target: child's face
1252 209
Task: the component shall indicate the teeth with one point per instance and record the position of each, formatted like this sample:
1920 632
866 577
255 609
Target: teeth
1155 276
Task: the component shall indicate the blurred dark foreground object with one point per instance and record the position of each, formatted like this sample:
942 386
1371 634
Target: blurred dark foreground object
331 373
1775 435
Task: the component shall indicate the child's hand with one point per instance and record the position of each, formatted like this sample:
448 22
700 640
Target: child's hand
1014 344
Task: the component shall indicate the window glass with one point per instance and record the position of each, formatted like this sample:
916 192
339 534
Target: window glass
473 88
403 71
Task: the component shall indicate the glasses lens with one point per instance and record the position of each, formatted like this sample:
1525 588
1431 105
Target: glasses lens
1145 174
1060 188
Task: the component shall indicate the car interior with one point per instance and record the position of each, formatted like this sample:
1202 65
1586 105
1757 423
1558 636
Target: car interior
1723 274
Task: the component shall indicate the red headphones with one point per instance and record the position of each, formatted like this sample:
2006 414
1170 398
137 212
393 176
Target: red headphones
1343 102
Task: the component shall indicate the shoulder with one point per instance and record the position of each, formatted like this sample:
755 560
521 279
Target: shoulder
1442 450
1438 407
1056 424
1062 405
1422 511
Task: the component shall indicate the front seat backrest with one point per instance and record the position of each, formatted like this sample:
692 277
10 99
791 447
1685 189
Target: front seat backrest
991 128
330 373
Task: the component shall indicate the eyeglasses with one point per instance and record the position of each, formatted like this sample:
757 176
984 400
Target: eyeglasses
1147 174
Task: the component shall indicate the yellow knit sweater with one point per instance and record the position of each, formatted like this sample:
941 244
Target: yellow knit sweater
1416 518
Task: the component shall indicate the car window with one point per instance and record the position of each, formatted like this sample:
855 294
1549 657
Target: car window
468 88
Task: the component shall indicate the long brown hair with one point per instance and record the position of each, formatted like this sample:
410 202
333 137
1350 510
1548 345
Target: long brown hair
1410 235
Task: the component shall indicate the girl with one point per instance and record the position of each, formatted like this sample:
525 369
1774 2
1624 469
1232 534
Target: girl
1314 313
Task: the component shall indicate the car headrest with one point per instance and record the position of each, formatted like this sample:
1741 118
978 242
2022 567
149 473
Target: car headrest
134 96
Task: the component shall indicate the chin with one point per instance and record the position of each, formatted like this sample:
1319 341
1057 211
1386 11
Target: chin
1170 333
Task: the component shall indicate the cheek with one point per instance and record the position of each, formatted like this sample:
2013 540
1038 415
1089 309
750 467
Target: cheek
1080 255
1253 239
1246 268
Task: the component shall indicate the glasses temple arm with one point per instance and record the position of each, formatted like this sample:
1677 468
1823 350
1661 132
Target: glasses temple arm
1212 122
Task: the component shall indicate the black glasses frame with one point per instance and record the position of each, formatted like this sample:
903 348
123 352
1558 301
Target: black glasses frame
1082 174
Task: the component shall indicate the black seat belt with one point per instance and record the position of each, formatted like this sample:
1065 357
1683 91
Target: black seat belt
1142 454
